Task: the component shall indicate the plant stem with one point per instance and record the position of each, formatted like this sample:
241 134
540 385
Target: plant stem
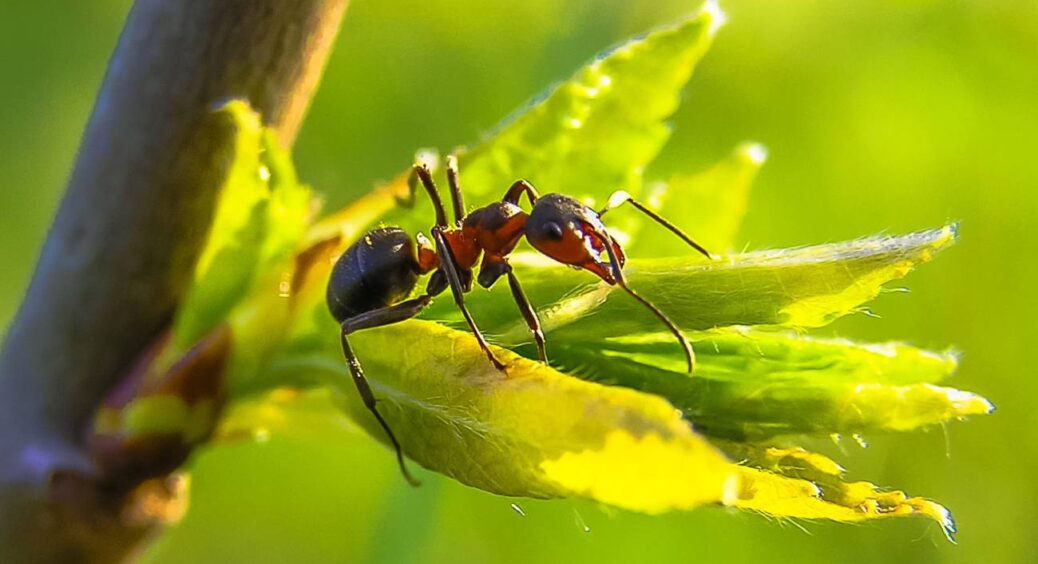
123 244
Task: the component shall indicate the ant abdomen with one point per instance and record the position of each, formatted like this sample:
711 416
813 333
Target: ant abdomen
379 270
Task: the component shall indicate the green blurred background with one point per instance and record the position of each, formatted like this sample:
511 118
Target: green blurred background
879 116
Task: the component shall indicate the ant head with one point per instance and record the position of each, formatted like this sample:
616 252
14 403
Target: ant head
572 233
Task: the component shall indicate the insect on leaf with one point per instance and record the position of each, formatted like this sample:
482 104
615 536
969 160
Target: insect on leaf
801 288
614 418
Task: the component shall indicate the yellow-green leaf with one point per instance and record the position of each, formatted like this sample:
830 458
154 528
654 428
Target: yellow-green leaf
595 132
530 431
803 287
795 483
262 214
754 385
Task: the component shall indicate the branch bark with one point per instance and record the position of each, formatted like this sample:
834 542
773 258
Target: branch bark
128 231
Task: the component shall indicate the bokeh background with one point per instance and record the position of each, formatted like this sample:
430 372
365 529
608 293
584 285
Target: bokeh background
879 116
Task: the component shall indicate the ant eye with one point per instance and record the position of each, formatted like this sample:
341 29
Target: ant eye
553 231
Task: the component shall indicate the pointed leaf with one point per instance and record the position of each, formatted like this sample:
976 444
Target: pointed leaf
622 96
754 385
804 287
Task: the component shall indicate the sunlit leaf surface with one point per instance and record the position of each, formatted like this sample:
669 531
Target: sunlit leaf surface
525 431
792 482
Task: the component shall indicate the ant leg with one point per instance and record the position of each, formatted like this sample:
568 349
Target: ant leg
457 199
423 173
517 189
620 198
448 265
376 318
386 315
528 314
618 276
369 401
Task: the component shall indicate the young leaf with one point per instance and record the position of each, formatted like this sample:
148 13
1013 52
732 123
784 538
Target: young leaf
262 214
529 431
596 132
800 484
535 431
755 385
804 287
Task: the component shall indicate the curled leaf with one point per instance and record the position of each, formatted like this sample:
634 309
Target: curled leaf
800 484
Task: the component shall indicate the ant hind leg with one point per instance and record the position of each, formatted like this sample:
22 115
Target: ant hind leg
421 172
367 320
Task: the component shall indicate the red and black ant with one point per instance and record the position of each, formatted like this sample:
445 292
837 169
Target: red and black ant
372 279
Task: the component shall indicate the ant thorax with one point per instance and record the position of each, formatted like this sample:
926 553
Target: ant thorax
496 228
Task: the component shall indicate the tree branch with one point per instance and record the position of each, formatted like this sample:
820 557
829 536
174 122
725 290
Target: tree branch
130 227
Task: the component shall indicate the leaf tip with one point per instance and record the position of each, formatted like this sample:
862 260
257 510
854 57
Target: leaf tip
938 513
967 403
238 110
752 153
945 236
716 16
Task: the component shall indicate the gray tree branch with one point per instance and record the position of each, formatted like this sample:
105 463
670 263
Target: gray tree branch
129 229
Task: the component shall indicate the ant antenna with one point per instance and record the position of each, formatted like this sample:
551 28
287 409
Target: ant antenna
618 275
620 198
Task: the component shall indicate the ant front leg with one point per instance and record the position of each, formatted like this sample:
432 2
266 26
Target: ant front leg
457 198
377 318
618 276
494 268
449 267
532 321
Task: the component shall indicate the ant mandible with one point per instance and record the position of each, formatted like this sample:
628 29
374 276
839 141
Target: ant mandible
372 279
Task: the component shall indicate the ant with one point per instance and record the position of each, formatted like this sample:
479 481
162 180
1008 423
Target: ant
372 279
